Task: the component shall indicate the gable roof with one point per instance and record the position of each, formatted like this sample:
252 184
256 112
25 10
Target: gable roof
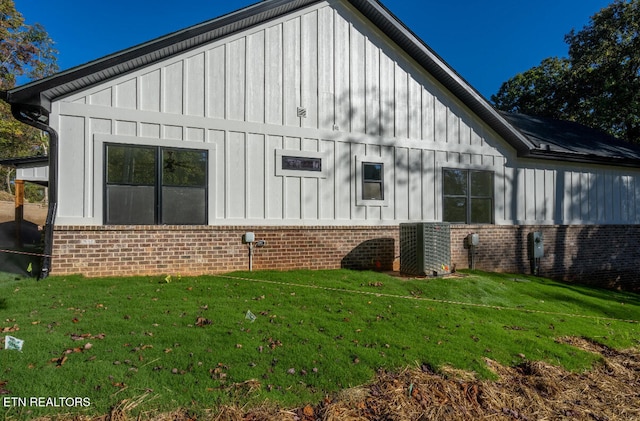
38 95
530 137
571 141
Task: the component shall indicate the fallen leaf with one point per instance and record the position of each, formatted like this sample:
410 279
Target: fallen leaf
3 389
119 385
201 322
8 329
59 361
308 411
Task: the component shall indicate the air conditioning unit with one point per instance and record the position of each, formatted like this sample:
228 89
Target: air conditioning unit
425 248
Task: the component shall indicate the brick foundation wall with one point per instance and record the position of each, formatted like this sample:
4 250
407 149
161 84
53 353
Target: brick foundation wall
607 256
194 250
601 255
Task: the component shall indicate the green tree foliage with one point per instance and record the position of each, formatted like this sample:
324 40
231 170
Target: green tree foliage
540 91
26 53
598 85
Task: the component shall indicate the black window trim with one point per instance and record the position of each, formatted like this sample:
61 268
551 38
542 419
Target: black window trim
366 180
158 194
469 197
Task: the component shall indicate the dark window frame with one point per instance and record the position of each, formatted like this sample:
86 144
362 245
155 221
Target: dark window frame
366 180
158 184
468 196
300 163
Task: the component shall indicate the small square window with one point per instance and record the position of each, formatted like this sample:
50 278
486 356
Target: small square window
372 181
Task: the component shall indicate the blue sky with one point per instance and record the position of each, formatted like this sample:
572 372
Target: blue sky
486 42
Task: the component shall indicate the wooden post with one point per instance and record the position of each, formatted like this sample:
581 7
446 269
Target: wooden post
19 214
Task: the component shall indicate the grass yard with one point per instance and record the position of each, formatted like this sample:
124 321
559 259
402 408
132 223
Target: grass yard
168 343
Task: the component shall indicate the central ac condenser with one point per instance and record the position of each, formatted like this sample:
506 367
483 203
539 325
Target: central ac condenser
425 248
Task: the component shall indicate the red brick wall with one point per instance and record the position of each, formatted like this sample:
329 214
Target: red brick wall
608 256
192 250
602 255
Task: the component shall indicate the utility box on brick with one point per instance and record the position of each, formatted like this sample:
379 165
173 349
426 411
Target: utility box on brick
536 245
425 248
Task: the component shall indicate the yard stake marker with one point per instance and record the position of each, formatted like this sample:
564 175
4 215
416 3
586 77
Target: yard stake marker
433 300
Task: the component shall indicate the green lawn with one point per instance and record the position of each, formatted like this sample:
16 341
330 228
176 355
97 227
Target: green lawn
167 343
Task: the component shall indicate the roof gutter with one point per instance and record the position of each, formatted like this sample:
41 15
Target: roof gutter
34 116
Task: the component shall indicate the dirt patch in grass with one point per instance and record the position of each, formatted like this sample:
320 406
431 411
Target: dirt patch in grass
532 390
33 212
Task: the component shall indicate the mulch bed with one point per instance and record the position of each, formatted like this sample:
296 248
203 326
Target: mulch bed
532 390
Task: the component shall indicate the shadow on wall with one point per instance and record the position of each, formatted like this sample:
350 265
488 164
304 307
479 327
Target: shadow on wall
608 257
376 254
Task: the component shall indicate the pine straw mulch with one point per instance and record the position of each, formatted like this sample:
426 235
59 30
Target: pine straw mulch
529 391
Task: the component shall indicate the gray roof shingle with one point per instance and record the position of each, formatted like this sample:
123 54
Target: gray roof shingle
570 141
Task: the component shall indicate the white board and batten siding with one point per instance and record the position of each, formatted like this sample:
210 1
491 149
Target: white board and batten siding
321 82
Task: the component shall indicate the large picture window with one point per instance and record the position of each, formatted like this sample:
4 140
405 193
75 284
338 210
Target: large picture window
467 196
147 185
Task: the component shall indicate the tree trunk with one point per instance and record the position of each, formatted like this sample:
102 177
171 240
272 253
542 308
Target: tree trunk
8 181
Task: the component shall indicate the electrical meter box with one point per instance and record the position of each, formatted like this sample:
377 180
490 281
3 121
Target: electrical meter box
536 245
473 240
248 237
